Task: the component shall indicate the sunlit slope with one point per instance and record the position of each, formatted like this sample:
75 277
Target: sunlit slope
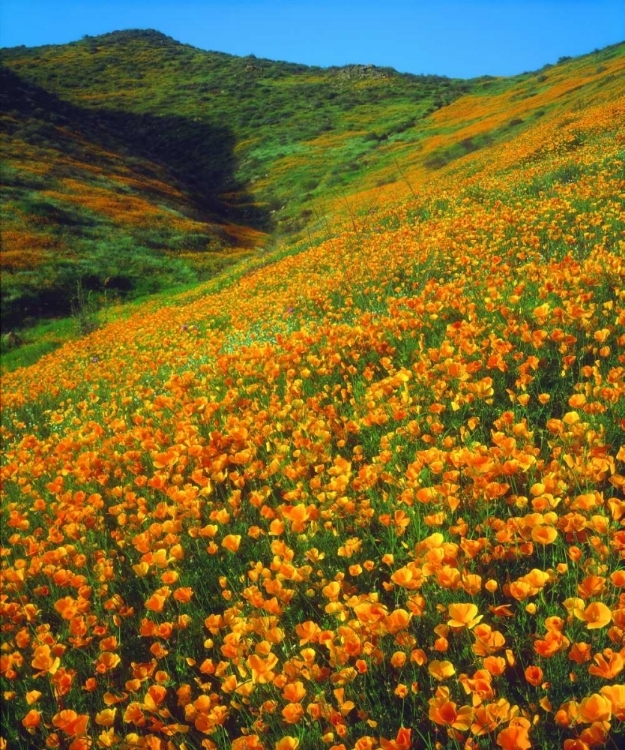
365 495
297 136
452 139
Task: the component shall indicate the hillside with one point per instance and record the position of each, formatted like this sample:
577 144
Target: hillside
80 202
145 72
134 163
362 492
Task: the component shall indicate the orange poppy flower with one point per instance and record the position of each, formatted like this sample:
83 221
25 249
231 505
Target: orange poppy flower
551 644
157 601
106 717
595 707
158 650
520 590
441 670
67 607
134 715
534 675
596 615
231 542
170 577
488 641
108 644
365 743
616 695
308 632
32 696
332 591
406 577
401 691
496 665
515 736
607 668
618 578
293 712
294 691
555 624
247 742
471 583
107 661
577 400
443 711
489 716
183 594
479 686
32 720
463 616
398 620
580 652
544 534
441 644
502 610
537 579
596 734
154 697
70 722
403 740
287 743
44 661
591 586
418 656
262 669
568 714
110 699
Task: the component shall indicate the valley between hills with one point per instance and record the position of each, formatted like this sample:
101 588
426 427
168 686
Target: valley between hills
134 164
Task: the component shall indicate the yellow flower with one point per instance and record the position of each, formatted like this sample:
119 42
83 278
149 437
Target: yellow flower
441 670
231 542
463 616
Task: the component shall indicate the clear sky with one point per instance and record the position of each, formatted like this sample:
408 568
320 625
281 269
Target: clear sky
448 37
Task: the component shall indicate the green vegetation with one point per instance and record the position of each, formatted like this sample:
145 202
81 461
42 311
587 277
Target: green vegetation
133 163
362 491
192 109
84 202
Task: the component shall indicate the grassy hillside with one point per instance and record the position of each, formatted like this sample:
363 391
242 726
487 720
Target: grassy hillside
135 163
272 109
83 199
364 492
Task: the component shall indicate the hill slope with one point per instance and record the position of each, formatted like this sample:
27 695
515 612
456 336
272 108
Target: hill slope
362 494
135 162
272 109
203 124
80 202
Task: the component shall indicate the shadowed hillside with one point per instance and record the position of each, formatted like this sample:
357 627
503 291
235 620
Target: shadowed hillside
107 198
274 109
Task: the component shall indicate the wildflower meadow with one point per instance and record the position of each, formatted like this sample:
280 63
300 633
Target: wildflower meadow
362 493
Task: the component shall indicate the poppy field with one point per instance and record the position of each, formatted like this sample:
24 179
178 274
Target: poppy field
365 493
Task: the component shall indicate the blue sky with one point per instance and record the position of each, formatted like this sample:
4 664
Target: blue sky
496 37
